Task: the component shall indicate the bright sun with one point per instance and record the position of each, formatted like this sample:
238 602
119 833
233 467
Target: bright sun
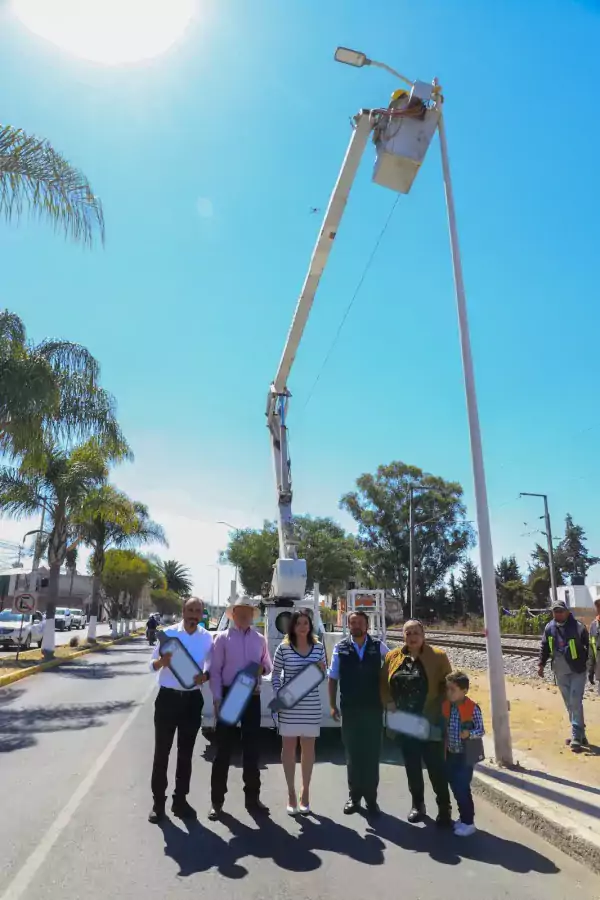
108 31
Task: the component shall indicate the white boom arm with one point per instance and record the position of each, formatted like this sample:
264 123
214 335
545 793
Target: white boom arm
289 579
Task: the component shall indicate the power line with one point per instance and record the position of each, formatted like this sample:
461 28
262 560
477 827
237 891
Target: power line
352 300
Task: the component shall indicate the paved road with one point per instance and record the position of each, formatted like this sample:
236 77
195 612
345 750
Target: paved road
77 749
63 637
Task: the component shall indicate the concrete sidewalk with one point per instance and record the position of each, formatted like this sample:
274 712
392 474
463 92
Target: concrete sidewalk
564 811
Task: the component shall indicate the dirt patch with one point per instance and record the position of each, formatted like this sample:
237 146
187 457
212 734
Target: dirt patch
540 727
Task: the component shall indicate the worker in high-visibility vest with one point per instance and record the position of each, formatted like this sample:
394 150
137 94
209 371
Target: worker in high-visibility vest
594 658
566 643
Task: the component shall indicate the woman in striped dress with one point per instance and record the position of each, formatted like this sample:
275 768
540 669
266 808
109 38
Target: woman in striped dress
303 722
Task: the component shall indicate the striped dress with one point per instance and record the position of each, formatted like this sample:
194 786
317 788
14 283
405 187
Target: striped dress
304 720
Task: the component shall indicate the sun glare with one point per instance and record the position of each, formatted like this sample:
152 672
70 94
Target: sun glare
108 31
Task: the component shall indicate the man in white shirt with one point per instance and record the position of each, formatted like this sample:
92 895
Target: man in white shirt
178 710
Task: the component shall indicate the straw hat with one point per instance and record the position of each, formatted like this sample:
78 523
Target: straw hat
242 601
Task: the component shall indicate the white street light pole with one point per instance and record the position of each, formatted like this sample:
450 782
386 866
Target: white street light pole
499 705
231 528
498 699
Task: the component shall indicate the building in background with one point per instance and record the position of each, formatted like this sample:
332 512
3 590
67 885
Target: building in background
74 590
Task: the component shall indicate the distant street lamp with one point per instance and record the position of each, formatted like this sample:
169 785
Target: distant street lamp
231 528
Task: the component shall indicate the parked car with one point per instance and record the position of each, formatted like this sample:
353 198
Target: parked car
63 619
12 633
79 618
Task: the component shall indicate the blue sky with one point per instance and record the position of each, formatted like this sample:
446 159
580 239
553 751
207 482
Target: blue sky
208 159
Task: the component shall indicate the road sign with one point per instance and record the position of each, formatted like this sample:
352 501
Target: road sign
24 603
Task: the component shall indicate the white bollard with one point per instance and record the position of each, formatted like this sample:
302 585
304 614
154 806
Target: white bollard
92 627
49 637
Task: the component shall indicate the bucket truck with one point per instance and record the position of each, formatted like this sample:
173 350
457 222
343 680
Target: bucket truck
401 134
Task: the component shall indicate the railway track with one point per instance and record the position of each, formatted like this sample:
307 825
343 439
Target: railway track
474 641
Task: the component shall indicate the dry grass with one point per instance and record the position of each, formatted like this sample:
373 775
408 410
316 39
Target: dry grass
539 725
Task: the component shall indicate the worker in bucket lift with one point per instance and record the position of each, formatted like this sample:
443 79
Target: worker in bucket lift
356 666
565 643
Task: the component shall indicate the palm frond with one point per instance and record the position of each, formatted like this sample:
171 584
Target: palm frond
35 177
12 330
85 408
19 494
68 358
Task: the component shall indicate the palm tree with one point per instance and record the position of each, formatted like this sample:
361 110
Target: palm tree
57 481
49 389
71 563
178 577
108 519
34 177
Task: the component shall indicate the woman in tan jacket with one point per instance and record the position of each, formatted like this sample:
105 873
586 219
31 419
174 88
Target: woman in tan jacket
413 679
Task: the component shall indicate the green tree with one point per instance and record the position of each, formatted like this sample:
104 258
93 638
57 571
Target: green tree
254 552
124 576
107 519
331 554
513 592
470 588
539 585
508 570
167 603
71 563
49 390
58 482
574 557
456 604
442 536
35 178
177 577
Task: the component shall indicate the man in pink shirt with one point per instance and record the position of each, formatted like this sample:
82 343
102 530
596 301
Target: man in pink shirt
232 651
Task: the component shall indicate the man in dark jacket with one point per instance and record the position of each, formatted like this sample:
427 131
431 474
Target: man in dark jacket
565 643
356 666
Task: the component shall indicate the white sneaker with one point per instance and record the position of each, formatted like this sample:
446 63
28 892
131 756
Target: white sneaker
462 830
292 810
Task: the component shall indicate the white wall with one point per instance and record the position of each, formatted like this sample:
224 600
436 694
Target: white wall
581 596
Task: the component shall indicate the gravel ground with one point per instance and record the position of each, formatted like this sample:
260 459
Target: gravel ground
516 666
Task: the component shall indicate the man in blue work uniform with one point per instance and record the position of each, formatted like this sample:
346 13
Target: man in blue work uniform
356 664
565 643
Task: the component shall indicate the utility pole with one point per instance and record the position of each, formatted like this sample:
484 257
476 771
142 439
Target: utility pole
549 538
411 552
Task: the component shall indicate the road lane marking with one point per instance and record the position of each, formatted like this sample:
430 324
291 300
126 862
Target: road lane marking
17 887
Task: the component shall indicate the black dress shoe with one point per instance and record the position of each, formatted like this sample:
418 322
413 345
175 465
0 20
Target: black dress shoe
182 809
417 814
156 815
373 808
444 819
351 806
257 806
215 811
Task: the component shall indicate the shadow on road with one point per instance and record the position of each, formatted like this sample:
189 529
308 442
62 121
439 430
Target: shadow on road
10 694
18 727
560 797
445 848
199 849
329 750
96 670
